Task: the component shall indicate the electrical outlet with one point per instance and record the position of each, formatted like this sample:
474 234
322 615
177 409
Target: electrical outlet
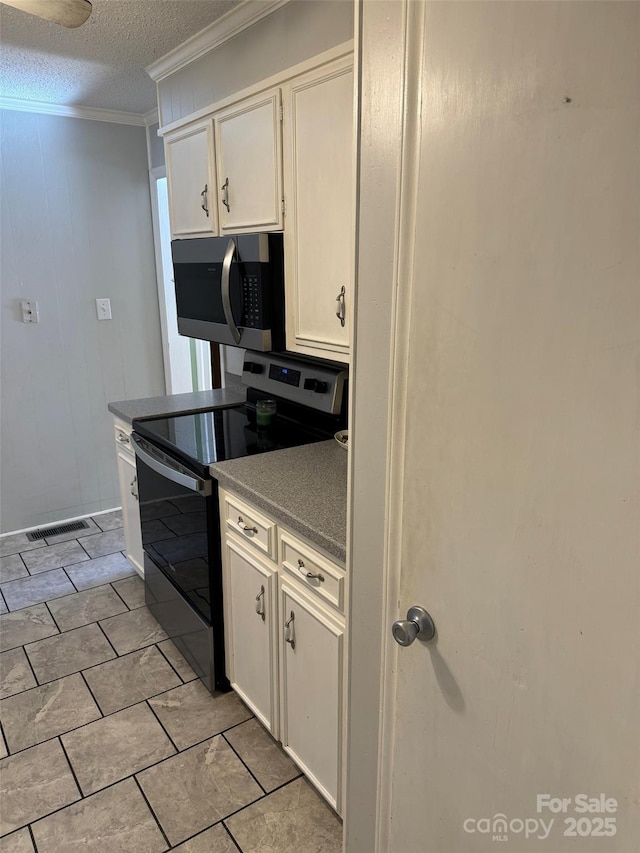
103 309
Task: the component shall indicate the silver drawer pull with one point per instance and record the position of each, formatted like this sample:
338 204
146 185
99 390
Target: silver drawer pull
123 439
316 576
341 311
289 636
246 528
260 603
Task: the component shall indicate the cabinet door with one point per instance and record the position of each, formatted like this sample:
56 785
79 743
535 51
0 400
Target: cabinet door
249 165
191 173
311 689
250 625
130 509
319 228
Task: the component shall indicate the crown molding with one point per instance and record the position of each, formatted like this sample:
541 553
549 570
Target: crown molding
242 16
151 117
91 113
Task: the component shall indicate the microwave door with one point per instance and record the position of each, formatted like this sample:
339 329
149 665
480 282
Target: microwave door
225 283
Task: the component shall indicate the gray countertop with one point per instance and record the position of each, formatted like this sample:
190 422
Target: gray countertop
304 487
176 404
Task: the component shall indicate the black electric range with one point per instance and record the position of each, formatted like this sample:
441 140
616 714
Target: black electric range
178 498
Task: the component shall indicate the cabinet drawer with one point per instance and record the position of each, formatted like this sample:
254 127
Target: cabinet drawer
122 432
250 525
312 570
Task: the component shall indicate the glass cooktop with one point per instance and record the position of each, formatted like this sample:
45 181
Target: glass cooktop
199 439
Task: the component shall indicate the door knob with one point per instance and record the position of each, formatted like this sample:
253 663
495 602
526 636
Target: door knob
417 624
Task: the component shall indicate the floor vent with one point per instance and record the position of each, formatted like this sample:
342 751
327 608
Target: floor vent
35 535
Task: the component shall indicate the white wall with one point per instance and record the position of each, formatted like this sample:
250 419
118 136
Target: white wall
295 32
75 225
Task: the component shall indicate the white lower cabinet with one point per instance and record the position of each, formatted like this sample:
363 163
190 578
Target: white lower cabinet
284 638
250 624
311 689
128 482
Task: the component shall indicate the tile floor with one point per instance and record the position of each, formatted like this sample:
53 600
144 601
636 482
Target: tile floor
108 741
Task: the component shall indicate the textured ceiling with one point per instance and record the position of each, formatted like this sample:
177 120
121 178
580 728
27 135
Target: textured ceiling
100 64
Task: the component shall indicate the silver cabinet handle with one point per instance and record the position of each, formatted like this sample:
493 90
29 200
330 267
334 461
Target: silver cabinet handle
310 575
204 195
123 439
417 624
236 334
260 603
289 636
225 194
246 528
134 491
340 307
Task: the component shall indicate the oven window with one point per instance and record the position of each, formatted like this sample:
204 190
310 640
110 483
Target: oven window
174 535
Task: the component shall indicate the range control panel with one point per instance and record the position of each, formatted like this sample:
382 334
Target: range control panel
318 386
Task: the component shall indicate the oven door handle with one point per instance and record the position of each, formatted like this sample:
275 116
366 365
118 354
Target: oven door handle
194 484
236 334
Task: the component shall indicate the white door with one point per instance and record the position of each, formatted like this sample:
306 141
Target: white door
513 443
249 162
311 692
191 172
318 154
250 594
130 509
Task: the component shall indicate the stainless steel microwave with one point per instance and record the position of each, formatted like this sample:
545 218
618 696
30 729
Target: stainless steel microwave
231 289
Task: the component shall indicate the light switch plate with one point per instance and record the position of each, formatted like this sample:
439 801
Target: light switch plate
103 309
29 309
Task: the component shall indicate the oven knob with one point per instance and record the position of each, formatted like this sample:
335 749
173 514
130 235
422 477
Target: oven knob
252 367
315 385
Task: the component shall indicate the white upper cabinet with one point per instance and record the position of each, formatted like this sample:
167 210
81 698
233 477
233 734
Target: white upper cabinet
248 143
318 132
191 178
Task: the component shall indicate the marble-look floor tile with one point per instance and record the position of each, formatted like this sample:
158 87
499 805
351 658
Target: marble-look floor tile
34 783
115 747
32 590
58 656
214 840
131 590
292 819
81 608
197 788
175 658
3 748
191 714
108 520
73 534
12 568
264 756
44 712
26 626
3 606
101 544
15 543
55 557
17 842
130 679
133 630
113 821
15 673
100 571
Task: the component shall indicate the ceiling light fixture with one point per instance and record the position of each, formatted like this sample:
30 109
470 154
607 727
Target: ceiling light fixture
67 13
